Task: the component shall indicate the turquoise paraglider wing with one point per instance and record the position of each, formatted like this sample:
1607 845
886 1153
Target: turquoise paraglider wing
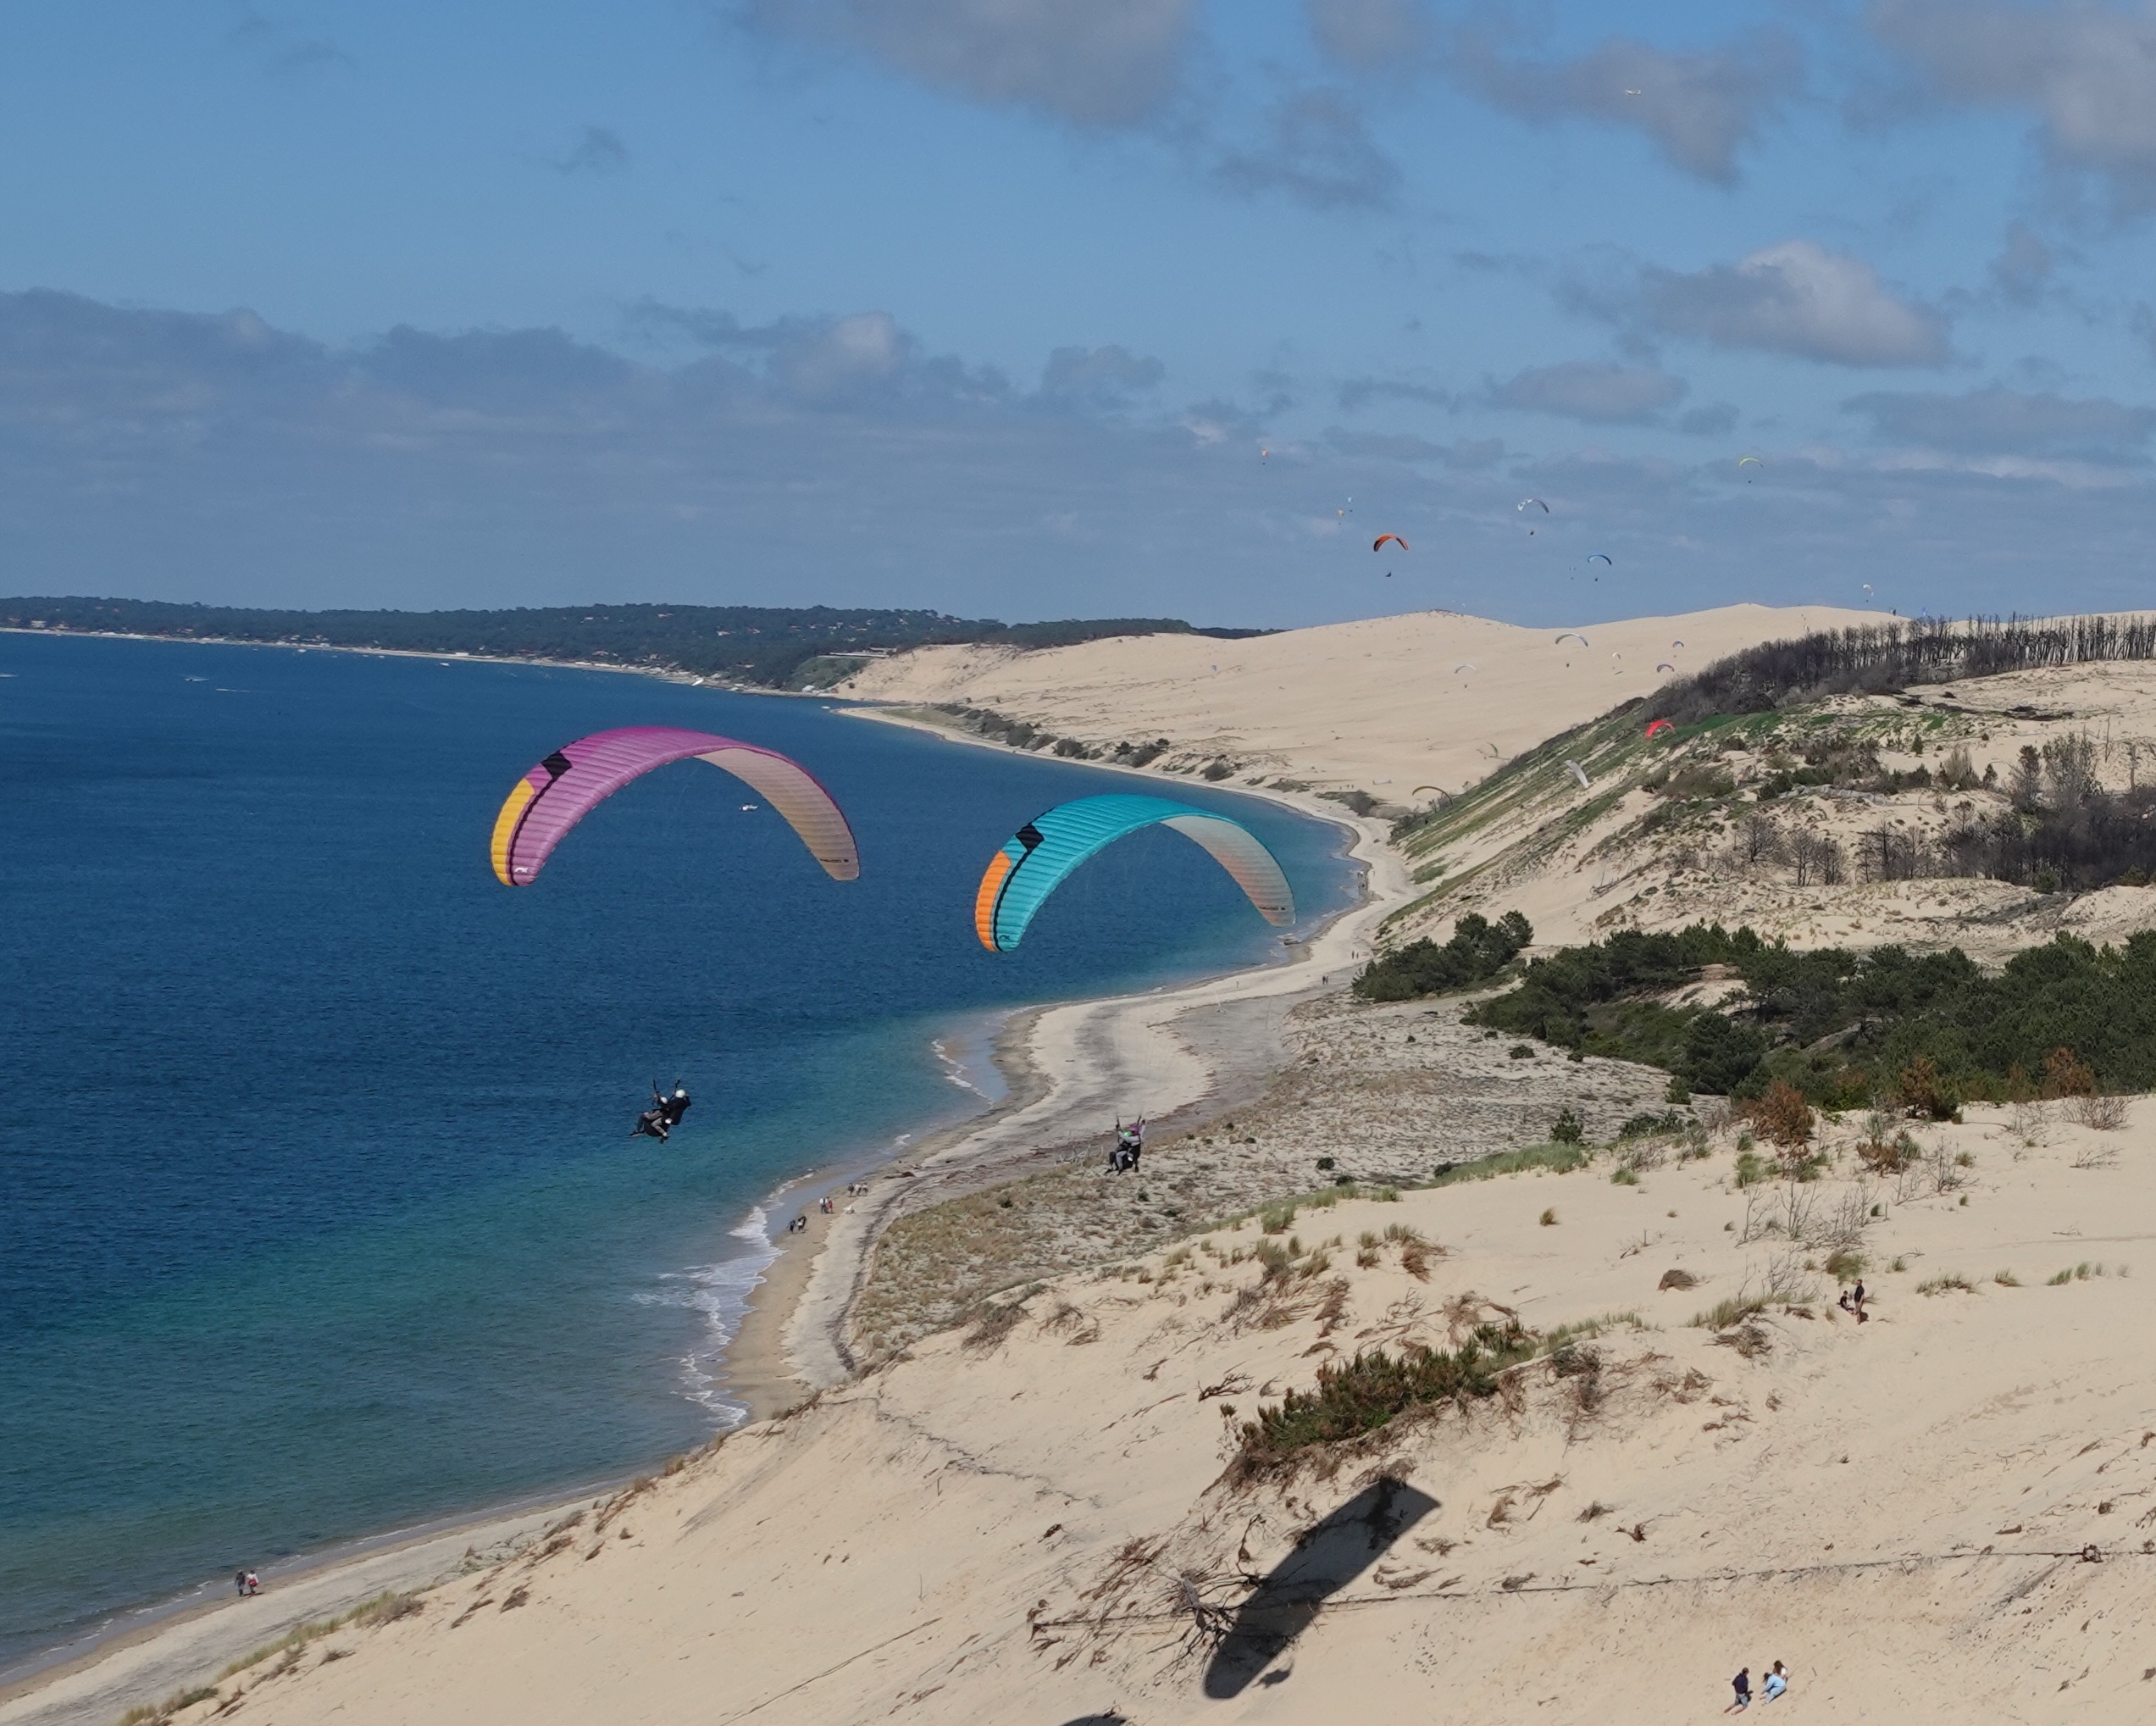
1043 853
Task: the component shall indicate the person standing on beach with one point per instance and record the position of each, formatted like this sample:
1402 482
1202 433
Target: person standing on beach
1743 1685
239 1584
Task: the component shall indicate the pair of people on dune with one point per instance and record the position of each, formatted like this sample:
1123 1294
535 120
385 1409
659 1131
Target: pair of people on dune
1777 1683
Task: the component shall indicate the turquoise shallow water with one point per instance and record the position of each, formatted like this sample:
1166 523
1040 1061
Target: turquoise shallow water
317 1213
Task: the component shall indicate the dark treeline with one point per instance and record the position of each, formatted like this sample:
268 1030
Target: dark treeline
1848 1028
768 647
1885 658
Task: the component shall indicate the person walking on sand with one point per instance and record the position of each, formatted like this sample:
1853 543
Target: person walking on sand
1777 1681
239 1584
1856 1303
1742 1683
254 1582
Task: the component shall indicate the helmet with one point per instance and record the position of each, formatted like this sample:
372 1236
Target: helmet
679 1091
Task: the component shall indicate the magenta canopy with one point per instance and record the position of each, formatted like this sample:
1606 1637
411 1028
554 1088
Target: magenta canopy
565 787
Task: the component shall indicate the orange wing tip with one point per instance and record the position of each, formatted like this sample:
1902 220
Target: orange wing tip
999 869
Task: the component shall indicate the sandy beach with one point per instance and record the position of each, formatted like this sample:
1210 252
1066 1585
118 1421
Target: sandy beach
982 1463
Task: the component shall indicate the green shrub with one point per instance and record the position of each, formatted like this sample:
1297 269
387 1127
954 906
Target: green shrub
1363 1395
1841 1027
1567 1129
1478 950
1646 1123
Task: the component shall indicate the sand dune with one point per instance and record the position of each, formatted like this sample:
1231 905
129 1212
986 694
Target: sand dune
1000 1529
1378 706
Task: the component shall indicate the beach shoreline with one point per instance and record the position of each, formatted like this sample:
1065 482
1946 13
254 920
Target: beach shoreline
1055 1061
1070 1067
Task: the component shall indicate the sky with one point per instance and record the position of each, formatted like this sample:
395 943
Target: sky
1027 308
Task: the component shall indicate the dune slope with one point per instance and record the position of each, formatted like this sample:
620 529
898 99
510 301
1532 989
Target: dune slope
1033 1520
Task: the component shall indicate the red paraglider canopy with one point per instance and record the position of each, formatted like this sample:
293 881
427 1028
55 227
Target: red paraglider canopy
1377 543
1659 726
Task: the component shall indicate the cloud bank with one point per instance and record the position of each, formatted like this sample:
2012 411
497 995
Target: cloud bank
839 459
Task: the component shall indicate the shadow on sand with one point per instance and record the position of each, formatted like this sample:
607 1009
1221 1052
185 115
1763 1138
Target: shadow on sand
1327 1558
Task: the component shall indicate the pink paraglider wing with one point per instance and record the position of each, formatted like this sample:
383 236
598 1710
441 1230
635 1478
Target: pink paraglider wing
565 787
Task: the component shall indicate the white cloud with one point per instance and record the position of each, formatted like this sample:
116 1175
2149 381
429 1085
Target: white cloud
1314 148
1094 63
1797 298
1578 389
1698 108
2010 422
1369 35
2087 72
597 150
1098 377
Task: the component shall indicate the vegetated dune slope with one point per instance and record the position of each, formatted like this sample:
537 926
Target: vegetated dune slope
1013 1523
1724 820
1378 706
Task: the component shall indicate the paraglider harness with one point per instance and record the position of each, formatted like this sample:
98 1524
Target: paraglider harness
1129 1147
664 1114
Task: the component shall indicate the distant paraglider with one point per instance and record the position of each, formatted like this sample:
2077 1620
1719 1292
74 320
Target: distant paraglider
1378 543
561 791
1527 503
1572 636
1602 557
1665 666
1463 666
1657 727
1043 853
1579 774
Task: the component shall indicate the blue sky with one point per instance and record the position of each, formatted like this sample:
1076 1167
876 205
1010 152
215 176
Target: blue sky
992 305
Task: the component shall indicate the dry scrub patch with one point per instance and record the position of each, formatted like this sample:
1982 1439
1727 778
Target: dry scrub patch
1372 1097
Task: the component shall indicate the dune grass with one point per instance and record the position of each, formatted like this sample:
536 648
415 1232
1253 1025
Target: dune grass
382 1609
1557 1159
146 1711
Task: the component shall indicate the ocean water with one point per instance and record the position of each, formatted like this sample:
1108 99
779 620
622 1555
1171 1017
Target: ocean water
318 1212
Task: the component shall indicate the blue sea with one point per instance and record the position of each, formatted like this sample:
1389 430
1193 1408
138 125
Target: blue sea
318 1214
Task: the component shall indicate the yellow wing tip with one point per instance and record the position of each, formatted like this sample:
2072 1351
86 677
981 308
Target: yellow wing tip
504 828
